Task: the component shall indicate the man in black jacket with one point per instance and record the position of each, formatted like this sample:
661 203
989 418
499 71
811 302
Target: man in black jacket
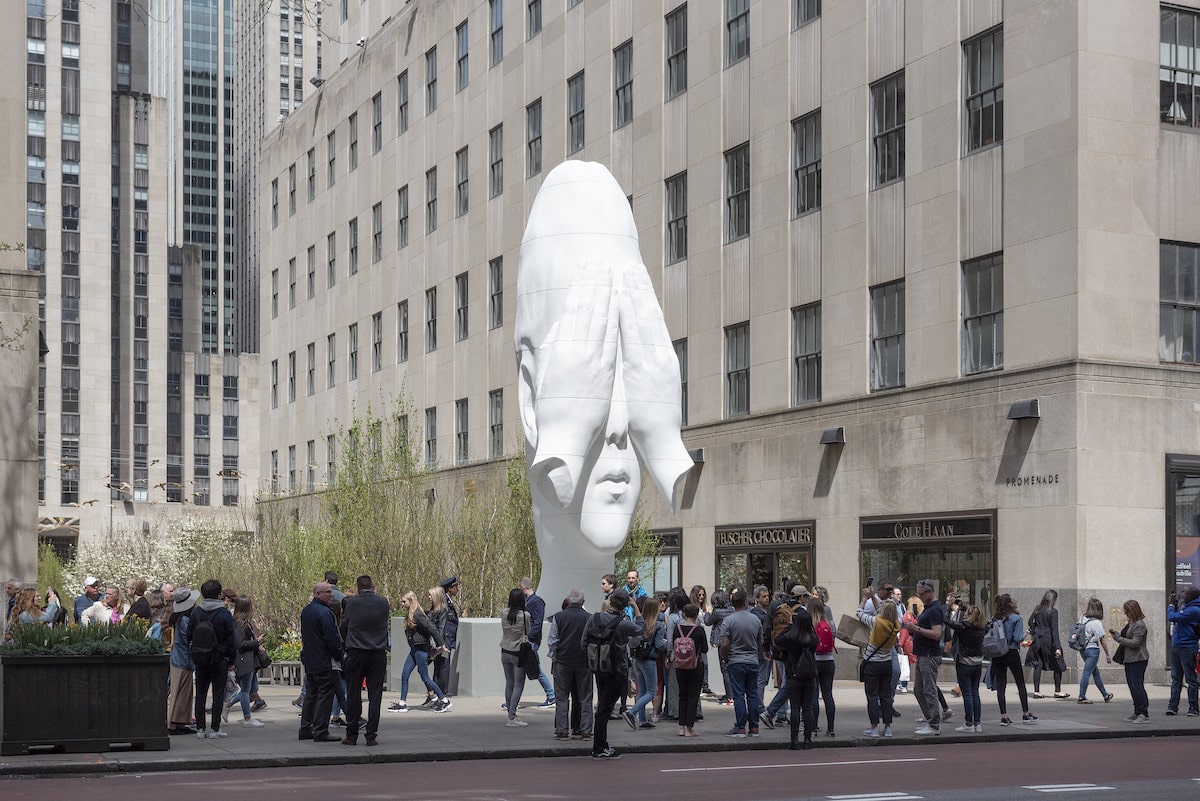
365 620
214 658
320 645
572 679
450 632
618 627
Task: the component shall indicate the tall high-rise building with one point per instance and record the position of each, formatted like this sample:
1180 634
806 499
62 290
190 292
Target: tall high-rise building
131 315
932 277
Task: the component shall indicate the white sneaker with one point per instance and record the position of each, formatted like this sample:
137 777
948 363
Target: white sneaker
966 728
978 729
871 732
215 733
515 723
253 723
887 731
201 734
927 730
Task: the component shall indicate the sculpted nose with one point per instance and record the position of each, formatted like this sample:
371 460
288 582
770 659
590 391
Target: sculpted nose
616 431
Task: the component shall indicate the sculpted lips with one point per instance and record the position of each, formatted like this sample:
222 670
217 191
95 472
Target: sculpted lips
614 482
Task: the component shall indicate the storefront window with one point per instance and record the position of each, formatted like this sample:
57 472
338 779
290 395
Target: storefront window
955 553
769 555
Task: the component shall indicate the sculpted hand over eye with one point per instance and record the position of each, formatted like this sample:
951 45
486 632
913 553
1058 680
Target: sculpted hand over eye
574 382
652 383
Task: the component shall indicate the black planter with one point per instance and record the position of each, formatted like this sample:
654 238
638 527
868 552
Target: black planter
83 703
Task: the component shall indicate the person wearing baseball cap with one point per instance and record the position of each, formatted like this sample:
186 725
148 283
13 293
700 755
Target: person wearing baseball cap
91 594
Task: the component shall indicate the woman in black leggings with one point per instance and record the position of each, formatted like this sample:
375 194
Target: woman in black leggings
690 679
1005 609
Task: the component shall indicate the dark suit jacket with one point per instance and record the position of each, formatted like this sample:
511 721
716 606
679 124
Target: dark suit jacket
319 639
365 621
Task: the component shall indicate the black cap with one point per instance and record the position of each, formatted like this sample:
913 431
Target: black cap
450 582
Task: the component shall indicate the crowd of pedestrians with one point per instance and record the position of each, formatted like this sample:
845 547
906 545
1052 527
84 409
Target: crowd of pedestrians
653 651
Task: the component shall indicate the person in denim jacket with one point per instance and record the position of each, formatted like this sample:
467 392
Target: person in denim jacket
1005 608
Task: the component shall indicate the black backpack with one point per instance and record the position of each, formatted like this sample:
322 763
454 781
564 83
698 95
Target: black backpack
206 651
604 657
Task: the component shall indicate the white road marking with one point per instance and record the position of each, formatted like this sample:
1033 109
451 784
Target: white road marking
801 765
874 797
1065 788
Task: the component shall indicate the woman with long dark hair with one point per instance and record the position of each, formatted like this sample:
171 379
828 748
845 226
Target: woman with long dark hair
1045 647
826 667
245 644
514 631
799 645
1004 608
645 662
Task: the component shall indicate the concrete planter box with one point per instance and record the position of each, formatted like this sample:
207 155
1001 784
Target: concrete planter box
80 704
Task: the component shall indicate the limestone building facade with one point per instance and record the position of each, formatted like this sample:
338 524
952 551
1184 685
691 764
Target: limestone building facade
931 269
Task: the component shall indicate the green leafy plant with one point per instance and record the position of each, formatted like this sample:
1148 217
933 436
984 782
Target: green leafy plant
127 638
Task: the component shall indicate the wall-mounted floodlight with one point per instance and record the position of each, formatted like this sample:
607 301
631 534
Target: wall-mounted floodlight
834 436
317 81
697 455
1024 410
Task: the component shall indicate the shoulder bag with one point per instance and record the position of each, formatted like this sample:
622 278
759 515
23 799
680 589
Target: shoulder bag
527 658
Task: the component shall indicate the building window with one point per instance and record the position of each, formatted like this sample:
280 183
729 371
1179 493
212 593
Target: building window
431 80
737 30
352 353
533 138
353 252
331 259
310 467
1179 70
292 190
431 319
376 342
377 233
677 215
496 423
496 292
462 174
292 485
402 331
274 294
462 48
291 283
677 78
887 335
495 161
737 193
274 202
575 109
1179 311
377 122
353 151
292 377
497 14
431 437
533 18
274 383
312 173
806 354
330 458
274 471
310 374
806 163
460 307
311 257
887 128
623 85
983 82
331 159
804 12
983 314
737 370
402 102
681 354
431 200
462 452
402 217
330 361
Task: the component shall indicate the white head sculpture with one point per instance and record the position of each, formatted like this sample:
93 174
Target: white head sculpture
598 379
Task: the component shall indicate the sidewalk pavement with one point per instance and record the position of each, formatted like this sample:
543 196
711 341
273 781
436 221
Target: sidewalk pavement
474 729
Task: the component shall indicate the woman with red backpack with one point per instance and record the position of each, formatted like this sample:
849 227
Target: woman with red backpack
825 664
688 643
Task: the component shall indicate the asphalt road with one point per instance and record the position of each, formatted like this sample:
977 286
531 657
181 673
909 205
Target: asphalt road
1094 769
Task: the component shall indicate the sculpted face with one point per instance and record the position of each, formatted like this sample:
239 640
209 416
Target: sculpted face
598 378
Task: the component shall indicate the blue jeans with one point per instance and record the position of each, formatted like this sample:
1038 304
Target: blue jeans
1183 668
419 660
746 708
544 680
245 683
968 681
646 671
764 678
779 704
1091 656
